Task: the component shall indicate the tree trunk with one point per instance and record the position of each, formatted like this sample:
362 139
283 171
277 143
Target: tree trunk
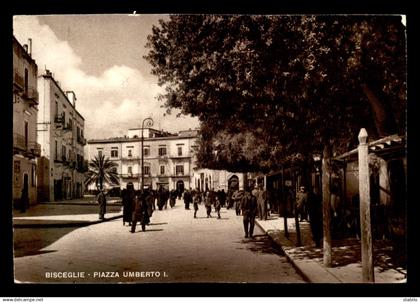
326 180
384 121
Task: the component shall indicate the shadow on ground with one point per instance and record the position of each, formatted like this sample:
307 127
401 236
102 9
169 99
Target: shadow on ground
262 244
57 209
344 251
31 241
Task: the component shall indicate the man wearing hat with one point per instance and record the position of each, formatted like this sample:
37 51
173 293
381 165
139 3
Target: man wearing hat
301 203
102 203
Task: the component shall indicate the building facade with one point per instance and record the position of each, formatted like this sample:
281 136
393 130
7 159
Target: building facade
25 111
208 179
61 135
167 161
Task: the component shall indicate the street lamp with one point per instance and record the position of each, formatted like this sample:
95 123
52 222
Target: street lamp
149 123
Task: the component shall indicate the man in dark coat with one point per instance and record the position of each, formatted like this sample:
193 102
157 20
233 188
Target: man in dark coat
24 199
127 201
249 211
140 212
102 204
187 199
315 216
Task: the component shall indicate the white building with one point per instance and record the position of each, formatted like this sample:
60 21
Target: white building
60 133
208 179
168 158
25 111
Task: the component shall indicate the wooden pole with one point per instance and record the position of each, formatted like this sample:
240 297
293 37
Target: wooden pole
284 200
365 223
326 210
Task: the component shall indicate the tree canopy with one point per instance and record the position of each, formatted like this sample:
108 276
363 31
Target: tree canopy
273 89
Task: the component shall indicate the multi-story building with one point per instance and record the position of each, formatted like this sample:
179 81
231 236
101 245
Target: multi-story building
208 179
25 111
60 133
167 158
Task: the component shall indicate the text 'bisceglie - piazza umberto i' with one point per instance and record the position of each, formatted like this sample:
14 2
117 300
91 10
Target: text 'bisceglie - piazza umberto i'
168 161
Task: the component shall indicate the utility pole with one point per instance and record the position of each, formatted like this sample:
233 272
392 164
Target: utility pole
149 123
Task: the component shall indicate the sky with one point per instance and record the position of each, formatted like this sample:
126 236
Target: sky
100 58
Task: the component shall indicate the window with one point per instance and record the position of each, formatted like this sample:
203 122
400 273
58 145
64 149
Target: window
129 153
99 153
56 150
78 133
179 151
162 170
26 135
114 153
162 151
63 153
56 108
26 80
130 170
33 176
146 151
146 170
179 170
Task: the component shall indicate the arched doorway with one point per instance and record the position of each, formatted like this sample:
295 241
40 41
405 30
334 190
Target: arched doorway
233 183
180 186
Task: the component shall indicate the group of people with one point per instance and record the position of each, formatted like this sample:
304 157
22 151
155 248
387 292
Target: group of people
250 203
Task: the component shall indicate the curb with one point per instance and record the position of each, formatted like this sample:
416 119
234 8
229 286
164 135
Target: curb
290 259
64 224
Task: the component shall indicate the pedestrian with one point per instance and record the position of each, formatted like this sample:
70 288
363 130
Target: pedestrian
208 203
140 212
187 199
196 201
128 195
148 195
24 199
102 203
315 216
172 198
249 211
237 197
301 203
261 196
223 198
217 206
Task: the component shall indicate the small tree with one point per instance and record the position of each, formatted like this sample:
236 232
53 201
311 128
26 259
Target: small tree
102 170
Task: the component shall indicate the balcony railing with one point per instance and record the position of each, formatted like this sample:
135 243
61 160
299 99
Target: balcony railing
19 142
58 119
35 149
130 158
130 175
32 95
18 79
81 140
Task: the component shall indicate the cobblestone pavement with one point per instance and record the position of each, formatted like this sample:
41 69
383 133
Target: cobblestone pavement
175 248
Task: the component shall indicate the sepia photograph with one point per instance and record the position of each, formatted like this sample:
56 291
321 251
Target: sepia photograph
209 148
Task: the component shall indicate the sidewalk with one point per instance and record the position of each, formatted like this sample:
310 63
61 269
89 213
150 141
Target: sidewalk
68 213
346 259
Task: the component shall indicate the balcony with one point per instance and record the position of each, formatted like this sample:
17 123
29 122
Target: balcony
35 149
68 127
130 176
81 140
32 95
18 79
59 119
129 158
19 142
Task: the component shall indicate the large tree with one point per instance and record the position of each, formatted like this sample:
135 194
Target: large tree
270 89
